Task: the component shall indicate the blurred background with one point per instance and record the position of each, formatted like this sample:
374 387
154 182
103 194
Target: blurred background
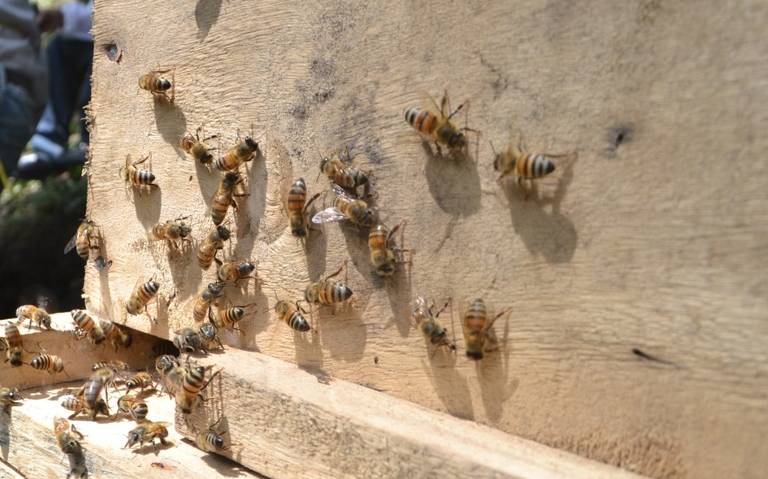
46 53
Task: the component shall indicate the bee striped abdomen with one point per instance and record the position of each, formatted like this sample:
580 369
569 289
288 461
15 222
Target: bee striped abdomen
297 195
72 403
422 120
139 380
230 316
296 321
535 166
227 162
476 315
334 292
47 362
143 295
210 441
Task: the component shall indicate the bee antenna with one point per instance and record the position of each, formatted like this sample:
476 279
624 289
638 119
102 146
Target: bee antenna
492 148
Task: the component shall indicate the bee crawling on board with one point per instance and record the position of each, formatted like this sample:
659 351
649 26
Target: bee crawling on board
156 83
86 239
526 167
197 148
225 196
245 150
13 345
78 406
297 208
90 393
211 245
142 295
204 300
86 326
132 406
171 373
116 366
328 292
68 439
212 440
384 254
175 232
232 272
193 382
50 363
291 314
436 126
35 314
148 431
137 177
346 207
191 340
479 336
425 318
338 171
141 380
116 335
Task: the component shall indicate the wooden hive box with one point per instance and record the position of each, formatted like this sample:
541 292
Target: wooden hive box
638 294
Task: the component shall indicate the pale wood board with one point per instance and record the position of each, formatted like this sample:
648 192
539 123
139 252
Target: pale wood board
286 422
32 448
655 238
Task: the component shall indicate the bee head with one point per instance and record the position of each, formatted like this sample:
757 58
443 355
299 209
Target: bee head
386 269
184 230
457 140
246 268
474 354
231 179
165 84
223 233
299 231
248 146
134 437
215 289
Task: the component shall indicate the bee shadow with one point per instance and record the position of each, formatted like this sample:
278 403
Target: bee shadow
356 239
153 449
208 181
147 205
184 270
206 15
453 181
450 386
493 374
550 234
5 433
315 246
256 321
343 334
171 123
251 208
309 353
398 287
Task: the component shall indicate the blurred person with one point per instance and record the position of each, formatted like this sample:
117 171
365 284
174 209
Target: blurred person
23 81
70 58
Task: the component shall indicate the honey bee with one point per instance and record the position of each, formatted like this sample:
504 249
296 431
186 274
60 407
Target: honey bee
209 335
156 83
242 152
196 148
9 397
47 362
115 334
98 382
174 231
170 371
68 439
298 206
85 240
426 318
85 325
136 177
113 365
292 316
140 380
345 207
34 313
211 245
132 406
13 345
188 340
192 385
345 176
384 256
436 126
147 431
328 292
477 330
224 197
516 161
142 294
78 406
204 300
212 440
227 318
234 271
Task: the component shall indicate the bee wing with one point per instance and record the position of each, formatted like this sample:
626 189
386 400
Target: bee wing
70 244
328 215
428 102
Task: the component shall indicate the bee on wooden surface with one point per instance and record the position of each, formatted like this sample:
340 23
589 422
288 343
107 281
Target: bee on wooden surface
85 240
292 315
30 312
85 325
209 334
78 406
339 172
297 208
224 196
426 319
192 385
147 431
227 318
345 207
140 380
47 362
234 271
68 439
13 345
244 150
204 300
132 406
174 231
156 83
479 338
142 294
98 382
137 177
212 243
188 340
328 292
114 365
9 397
437 126
212 440
196 148
385 256
171 373
115 334
516 161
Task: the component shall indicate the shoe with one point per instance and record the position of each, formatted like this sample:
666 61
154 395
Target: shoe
38 165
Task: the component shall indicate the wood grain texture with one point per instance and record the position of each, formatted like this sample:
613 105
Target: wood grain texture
653 240
31 446
309 425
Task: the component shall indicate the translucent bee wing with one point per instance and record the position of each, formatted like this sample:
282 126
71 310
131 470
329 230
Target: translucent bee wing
328 215
71 244
341 192
428 102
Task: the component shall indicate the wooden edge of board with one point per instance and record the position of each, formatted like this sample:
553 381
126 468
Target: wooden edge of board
282 421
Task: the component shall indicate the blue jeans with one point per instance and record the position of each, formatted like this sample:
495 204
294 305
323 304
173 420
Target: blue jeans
17 122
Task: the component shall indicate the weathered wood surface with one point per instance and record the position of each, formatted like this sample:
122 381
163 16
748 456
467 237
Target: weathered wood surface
652 241
78 356
286 422
33 451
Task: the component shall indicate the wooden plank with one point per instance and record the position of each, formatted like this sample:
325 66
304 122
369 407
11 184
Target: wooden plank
33 451
78 356
286 422
647 243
